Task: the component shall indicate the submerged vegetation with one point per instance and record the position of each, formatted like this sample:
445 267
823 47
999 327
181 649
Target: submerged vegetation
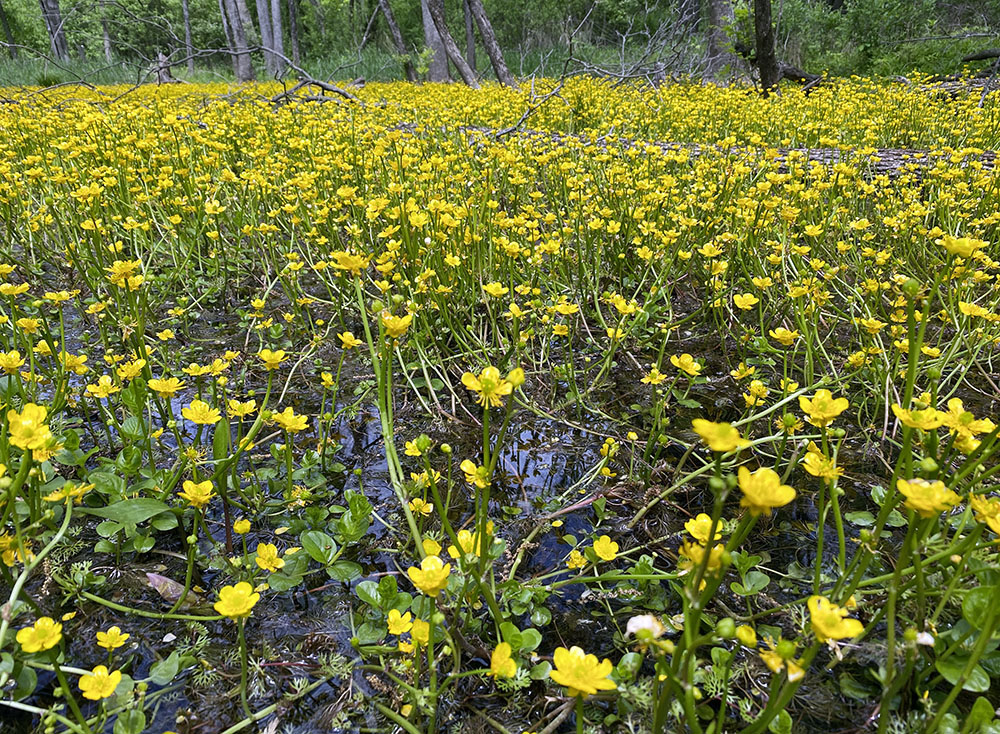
356 416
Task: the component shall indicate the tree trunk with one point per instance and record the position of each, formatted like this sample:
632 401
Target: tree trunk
293 31
767 61
720 15
188 46
490 44
8 34
437 70
277 37
397 39
53 24
228 33
106 34
470 34
240 50
264 22
436 9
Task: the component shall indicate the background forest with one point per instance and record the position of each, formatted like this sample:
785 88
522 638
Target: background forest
47 41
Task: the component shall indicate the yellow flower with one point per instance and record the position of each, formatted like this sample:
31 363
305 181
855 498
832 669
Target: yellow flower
783 336
28 429
692 555
432 576
686 363
491 387
700 526
763 491
421 507
963 423
350 262
11 362
819 465
104 388
653 377
431 547
165 387
348 340
112 639
830 622
987 511
241 526
497 290
272 360
581 673
502 665
201 413
236 601
291 422
268 558
745 301
399 623
99 683
964 247
823 407
197 494
926 420
237 409
475 475
43 635
721 437
396 326
605 548
421 632
927 498
576 560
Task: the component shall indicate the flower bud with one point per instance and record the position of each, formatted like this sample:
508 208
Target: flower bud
726 628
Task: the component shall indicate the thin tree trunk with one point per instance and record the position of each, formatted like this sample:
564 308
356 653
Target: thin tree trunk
436 9
53 24
277 37
107 39
397 39
437 70
188 46
241 51
228 32
767 60
7 32
293 31
491 45
264 21
720 15
470 34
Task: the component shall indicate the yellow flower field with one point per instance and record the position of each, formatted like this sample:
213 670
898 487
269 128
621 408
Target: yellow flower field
671 410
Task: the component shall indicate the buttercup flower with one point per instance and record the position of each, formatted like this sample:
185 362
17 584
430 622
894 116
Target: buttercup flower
112 639
267 557
605 548
686 363
830 622
721 437
489 385
197 494
43 635
432 576
581 673
763 490
823 407
236 601
201 413
927 498
502 665
99 683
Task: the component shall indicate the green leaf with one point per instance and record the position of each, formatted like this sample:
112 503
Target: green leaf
977 604
164 671
368 592
129 512
132 721
951 670
344 571
320 546
863 518
540 671
981 714
280 581
781 724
